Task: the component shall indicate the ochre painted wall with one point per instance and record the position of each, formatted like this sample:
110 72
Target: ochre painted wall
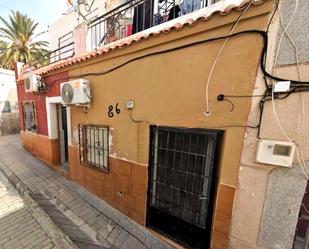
169 89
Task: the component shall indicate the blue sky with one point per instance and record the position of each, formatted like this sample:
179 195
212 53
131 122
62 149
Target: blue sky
42 11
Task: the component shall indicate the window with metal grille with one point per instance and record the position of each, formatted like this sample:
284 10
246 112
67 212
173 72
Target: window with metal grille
182 183
29 116
93 146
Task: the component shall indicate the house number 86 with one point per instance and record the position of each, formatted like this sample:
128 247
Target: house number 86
110 111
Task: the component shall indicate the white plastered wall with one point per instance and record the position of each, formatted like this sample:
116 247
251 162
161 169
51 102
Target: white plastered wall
52 118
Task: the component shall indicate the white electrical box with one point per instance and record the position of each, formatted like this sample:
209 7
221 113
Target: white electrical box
275 152
282 86
129 104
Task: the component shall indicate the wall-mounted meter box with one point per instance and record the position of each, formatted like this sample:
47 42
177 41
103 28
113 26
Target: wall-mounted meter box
275 152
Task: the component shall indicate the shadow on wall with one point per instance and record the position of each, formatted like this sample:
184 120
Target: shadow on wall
9 123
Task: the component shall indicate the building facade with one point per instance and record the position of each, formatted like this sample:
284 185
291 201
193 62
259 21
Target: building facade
145 145
177 115
8 103
270 208
87 25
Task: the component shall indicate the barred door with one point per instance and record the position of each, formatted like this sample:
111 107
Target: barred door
301 239
181 183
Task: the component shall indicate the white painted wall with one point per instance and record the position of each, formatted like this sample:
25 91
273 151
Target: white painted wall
8 90
67 23
52 118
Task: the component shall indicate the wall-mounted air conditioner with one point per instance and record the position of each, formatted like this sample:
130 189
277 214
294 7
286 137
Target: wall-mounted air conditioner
75 92
32 83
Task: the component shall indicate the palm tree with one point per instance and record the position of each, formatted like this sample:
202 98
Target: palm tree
18 43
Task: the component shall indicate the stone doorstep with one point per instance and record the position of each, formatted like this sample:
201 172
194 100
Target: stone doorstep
60 239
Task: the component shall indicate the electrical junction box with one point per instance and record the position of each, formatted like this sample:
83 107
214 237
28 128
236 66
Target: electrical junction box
275 152
282 86
129 104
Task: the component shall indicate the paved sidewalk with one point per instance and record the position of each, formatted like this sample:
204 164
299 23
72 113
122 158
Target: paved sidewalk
87 220
18 227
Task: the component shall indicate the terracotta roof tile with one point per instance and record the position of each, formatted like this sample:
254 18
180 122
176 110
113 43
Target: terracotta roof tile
223 7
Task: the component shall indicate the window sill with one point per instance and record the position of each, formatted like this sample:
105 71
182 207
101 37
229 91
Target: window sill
104 170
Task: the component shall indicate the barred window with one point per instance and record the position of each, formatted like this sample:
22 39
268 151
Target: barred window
93 146
29 116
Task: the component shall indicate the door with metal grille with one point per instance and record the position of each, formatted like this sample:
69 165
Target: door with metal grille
182 176
301 239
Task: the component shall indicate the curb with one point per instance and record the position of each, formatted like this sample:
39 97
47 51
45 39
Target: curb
60 239
131 227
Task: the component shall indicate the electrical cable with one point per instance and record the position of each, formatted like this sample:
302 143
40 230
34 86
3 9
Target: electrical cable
232 104
262 58
259 32
298 146
240 96
262 33
287 136
207 112
300 119
262 61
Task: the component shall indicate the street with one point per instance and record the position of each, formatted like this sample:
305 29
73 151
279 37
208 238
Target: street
71 216
19 229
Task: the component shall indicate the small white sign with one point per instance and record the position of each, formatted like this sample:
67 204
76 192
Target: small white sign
282 86
129 104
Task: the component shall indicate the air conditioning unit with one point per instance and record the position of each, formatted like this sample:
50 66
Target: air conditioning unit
75 92
32 83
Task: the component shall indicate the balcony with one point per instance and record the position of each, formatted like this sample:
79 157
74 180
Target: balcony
61 53
134 16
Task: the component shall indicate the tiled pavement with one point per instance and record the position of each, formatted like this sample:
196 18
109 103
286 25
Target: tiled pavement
18 227
88 221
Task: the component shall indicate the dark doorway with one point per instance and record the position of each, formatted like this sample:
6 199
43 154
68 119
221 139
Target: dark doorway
301 239
63 137
182 183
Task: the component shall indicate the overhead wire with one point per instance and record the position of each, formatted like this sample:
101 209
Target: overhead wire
302 112
299 153
112 69
299 84
207 112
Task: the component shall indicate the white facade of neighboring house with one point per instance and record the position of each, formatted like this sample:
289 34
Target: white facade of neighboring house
87 25
73 27
8 103
8 90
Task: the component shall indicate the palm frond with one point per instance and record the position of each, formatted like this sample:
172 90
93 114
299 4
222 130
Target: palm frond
17 42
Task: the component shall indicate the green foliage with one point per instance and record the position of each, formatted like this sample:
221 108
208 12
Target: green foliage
18 42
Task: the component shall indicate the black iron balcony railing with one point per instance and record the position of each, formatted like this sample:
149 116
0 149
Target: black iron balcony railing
58 54
137 15
63 52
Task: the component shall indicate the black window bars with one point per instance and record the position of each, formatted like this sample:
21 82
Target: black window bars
94 146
